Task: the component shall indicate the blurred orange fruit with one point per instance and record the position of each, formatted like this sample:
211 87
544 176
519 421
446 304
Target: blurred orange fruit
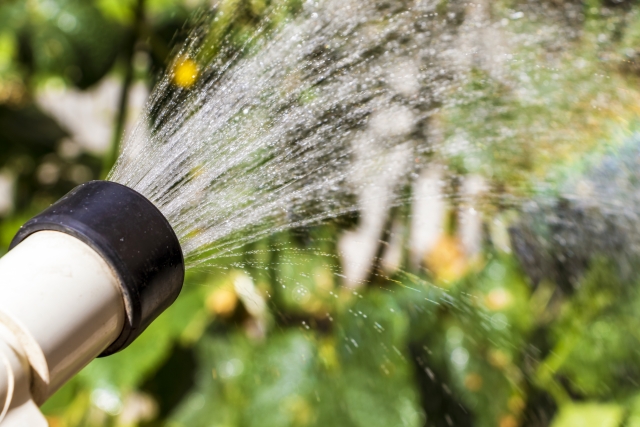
508 421
447 260
473 382
498 299
222 301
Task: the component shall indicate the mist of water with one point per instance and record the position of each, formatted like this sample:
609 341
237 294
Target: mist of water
357 106
339 111
328 115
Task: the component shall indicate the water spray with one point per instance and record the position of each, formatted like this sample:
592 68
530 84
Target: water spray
82 279
332 114
205 172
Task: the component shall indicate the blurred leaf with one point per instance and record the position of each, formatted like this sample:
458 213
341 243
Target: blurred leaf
589 415
70 38
597 344
300 379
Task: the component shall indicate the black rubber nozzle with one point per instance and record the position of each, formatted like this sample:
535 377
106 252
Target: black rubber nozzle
133 237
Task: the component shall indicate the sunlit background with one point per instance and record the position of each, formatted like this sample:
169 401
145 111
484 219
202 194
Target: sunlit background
490 277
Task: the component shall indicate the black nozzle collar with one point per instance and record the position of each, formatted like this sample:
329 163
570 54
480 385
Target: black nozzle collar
135 239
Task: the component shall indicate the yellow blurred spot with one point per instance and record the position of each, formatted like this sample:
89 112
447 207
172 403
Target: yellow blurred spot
11 91
298 409
258 6
473 382
54 421
323 278
222 301
498 299
447 261
138 407
328 355
508 421
185 72
498 358
516 404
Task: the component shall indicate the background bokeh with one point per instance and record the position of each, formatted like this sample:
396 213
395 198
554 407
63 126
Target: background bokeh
475 311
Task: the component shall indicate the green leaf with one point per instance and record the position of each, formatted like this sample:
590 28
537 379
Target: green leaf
589 415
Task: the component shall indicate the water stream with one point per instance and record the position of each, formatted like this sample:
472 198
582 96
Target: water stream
452 134
326 116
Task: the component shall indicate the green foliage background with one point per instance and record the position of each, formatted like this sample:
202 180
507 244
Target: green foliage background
489 346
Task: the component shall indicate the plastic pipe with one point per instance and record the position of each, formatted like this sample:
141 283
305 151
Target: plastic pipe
83 279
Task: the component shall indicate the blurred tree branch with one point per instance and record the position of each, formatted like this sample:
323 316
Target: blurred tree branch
134 36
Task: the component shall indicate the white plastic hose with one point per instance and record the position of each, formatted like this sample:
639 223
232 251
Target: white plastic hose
83 279
60 307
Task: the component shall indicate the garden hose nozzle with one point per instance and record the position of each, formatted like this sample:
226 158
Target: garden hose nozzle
82 279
